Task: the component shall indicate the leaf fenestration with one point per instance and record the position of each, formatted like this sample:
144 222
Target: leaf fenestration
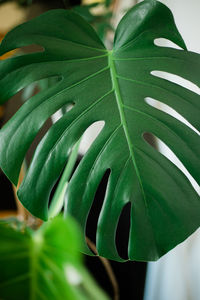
109 86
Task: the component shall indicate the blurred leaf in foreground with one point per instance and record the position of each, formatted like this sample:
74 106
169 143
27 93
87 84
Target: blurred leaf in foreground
44 264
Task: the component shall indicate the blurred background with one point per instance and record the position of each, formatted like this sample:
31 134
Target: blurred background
176 275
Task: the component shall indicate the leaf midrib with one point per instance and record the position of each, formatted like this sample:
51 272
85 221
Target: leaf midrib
119 101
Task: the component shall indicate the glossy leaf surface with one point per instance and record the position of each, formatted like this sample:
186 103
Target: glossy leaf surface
109 86
44 264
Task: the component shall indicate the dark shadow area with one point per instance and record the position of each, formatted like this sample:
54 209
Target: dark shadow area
7 201
130 275
122 233
95 210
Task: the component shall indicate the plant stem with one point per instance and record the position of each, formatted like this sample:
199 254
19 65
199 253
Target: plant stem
22 213
58 198
108 269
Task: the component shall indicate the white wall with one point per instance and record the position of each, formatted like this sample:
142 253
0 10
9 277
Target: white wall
186 13
176 276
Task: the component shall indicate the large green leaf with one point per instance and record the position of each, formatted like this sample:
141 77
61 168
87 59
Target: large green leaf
108 85
44 264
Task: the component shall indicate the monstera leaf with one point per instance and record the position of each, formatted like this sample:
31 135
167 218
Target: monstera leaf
44 264
110 86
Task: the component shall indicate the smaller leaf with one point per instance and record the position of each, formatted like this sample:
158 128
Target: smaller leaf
44 264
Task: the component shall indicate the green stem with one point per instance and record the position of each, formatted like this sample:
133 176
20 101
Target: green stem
58 198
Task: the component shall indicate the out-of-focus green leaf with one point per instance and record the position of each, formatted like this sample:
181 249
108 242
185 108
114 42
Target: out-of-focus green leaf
84 11
45 264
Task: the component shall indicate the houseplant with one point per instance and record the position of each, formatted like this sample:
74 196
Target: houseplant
44 264
111 86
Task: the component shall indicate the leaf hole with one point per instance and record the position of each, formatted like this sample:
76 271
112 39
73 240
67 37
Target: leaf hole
171 156
34 48
23 50
38 86
162 42
90 135
62 111
92 220
123 230
27 88
167 109
44 129
40 134
150 139
178 80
